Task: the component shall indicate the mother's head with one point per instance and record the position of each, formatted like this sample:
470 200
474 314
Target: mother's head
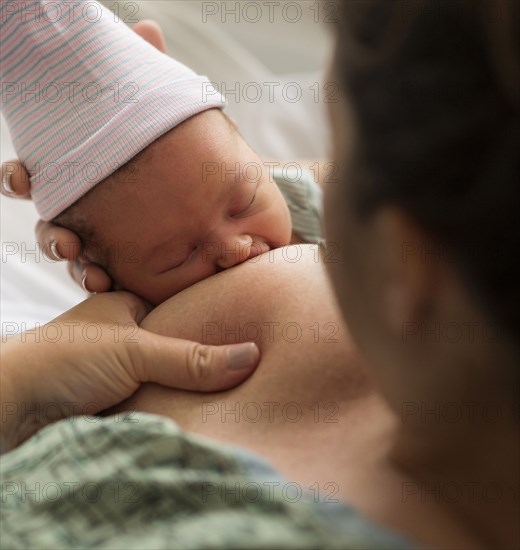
426 215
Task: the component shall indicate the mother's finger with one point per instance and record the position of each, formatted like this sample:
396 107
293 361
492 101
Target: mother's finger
189 365
90 276
152 33
58 243
15 181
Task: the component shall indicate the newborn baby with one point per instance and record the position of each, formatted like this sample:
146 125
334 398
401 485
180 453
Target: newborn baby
131 150
182 210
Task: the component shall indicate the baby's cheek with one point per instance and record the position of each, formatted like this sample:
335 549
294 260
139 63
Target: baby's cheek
157 288
133 278
153 290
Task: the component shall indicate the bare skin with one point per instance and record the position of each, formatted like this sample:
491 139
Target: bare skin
258 301
342 438
78 377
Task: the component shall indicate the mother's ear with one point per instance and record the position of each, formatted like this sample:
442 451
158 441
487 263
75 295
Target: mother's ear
152 33
413 266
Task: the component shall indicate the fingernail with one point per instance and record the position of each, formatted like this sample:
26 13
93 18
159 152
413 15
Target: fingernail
242 356
84 282
6 184
54 251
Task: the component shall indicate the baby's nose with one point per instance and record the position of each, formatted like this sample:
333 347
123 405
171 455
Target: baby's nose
238 250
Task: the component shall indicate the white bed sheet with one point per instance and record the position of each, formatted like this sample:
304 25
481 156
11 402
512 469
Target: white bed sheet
242 58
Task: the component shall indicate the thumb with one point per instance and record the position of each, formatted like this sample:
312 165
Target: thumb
192 366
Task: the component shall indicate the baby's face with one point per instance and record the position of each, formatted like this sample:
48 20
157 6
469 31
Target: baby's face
198 201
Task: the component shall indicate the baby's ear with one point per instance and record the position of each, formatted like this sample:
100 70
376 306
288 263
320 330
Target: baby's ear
152 33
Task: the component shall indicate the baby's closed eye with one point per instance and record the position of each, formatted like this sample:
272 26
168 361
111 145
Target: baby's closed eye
178 260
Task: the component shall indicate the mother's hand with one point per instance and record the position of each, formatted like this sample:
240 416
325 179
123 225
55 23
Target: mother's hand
59 243
95 356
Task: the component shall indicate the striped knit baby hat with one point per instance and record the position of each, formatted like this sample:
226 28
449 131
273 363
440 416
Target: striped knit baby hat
82 94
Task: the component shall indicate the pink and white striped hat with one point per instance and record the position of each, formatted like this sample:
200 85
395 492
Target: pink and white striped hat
82 94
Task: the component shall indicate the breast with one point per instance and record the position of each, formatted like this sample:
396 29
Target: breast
310 383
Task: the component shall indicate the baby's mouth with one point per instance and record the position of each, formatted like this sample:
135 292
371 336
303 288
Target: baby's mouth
257 249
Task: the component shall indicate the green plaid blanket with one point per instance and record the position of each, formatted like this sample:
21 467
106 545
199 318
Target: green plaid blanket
138 481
